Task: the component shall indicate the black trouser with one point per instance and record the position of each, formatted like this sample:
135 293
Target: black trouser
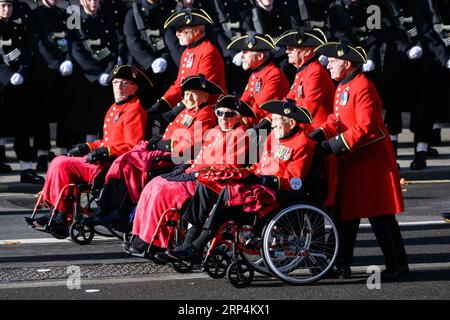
387 232
114 197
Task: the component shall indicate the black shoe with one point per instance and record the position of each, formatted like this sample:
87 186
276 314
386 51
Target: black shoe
432 152
42 164
184 252
420 161
38 223
5 168
446 216
29 176
395 273
163 258
339 273
138 248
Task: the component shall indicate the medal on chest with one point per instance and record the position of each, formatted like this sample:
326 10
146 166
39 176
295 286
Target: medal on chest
116 118
300 91
187 120
258 85
344 97
190 61
282 152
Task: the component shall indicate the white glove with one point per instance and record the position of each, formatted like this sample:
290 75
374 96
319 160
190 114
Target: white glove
102 79
437 27
66 68
368 66
323 60
16 79
448 64
237 59
414 53
159 65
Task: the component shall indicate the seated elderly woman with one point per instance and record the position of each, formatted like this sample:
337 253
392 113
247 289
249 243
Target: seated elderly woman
285 166
182 138
225 146
124 126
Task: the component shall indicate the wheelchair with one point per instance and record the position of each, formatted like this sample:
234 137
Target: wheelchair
297 243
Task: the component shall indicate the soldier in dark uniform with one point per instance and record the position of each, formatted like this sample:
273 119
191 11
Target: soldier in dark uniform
313 13
117 10
144 35
54 67
417 18
273 17
229 26
15 62
95 51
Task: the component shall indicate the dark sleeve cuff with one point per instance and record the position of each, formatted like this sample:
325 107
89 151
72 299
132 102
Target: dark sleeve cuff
318 135
338 145
165 145
272 182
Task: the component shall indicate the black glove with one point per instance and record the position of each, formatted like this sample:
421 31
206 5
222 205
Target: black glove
169 116
181 177
97 154
251 179
324 147
158 108
79 150
164 145
152 144
179 169
317 135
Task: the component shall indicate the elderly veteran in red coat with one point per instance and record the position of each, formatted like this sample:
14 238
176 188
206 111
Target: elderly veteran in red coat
124 126
199 56
368 179
313 87
225 146
285 167
181 140
266 82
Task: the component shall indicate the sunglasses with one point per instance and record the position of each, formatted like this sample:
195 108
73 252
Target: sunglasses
226 114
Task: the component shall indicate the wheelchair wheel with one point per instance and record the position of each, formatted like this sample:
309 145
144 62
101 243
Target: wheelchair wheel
300 244
81 233
239 274
216 264
250 249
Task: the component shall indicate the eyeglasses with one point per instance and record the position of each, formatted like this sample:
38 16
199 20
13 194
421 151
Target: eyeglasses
226 114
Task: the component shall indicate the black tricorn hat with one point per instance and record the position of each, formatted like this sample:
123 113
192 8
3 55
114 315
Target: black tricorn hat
188 17
252 42
304 37
288 109
342 50
236 104
132 73
199 82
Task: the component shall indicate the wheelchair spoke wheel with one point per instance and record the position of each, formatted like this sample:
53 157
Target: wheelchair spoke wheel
216 264
239 274
300 244
81 233
249 247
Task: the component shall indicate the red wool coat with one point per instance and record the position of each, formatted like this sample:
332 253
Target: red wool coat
203 58
368 179
314 90
186 131
266 83
219 149
123 127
